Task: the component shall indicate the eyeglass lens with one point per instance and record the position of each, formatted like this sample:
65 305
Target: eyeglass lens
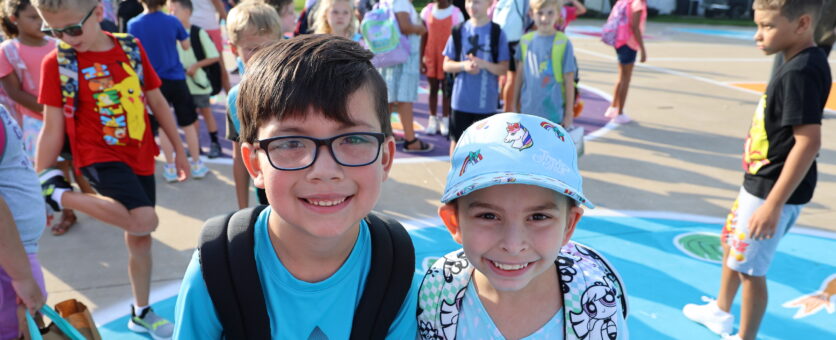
301 152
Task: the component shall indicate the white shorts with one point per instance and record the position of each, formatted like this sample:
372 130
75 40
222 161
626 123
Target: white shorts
746 255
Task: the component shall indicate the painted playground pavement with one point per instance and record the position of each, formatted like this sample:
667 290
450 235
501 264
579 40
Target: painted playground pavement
665 262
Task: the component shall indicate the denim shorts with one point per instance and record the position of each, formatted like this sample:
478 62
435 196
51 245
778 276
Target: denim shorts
626 55
746 255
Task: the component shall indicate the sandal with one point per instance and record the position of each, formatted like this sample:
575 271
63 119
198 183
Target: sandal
68 219
422 147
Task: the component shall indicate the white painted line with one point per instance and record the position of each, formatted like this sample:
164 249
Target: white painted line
106 315
606 128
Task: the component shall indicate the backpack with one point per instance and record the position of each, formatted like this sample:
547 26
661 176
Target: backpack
457 40
213 71
616 29
585 278
558 49
382 36
68 71
229 270
11 53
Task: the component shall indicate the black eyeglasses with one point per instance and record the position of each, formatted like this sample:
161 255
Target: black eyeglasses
72 30
291 153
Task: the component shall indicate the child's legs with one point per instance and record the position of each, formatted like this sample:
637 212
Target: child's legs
126 200
754 305
402 88
510 78
167 148
176 92
625 73
139 265
433 97
8 298
205 110
446 96
405 112
192 141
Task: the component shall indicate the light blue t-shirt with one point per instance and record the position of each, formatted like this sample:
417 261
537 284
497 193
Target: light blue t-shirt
159 33
541 95
475 323
297 309
231 109
476 93
19 184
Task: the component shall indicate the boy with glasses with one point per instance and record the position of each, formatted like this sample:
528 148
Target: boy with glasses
322 160
94 89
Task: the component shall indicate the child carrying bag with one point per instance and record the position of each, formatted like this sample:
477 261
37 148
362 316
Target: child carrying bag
382 36
616 30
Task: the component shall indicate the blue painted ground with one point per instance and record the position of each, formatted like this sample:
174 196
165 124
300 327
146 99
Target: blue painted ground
733 34
661 277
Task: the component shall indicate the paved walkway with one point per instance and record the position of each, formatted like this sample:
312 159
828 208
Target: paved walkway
660 184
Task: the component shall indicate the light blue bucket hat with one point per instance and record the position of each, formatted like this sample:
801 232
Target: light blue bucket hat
515 148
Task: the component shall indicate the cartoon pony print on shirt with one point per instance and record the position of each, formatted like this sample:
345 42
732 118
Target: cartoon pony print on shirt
596 320
121 106
518 136
756 149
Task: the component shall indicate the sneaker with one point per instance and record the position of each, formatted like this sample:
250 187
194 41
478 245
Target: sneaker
432 126
444 126
199 170
151 323
170 173
611 112
622 119
214 150
710 316
52 179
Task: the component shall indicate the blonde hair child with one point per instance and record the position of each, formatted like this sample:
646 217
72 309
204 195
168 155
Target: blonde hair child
336 17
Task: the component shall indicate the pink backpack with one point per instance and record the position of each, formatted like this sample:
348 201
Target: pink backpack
616 30
10 51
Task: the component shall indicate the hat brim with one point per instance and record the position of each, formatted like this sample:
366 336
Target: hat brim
503 177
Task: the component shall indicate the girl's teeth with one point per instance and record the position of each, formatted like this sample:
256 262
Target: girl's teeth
326 203
510 266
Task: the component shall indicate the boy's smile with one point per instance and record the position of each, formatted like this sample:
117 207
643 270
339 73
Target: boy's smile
327 199
512 233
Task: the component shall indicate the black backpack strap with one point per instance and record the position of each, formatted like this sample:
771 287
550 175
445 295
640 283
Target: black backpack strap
495 31
197 45
235 290
389 279
457 40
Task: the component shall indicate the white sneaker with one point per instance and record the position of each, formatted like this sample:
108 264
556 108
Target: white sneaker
432 126
444 126
611 112
170 173
622 119
199 170
710 316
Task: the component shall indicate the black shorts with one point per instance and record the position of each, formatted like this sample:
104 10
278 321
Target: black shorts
118 181
462 120
626 55
512 51
176 92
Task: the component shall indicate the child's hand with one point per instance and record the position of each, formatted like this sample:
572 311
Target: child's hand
29 294
643 55
183 168
423 66
763 222
191 70
481 63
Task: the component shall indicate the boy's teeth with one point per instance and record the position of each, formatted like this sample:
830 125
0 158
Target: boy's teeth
326 203
509 266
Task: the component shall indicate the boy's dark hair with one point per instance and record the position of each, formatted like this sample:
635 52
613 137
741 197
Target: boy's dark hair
153 4
278 4
320 72
10 8
792 9
187 4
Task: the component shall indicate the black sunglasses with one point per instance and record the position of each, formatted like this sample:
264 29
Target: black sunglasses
72 30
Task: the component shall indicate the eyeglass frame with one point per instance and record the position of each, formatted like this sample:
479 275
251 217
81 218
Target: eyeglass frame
59 32
327 142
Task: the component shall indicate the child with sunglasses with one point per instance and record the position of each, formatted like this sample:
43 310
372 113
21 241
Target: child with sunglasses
95 87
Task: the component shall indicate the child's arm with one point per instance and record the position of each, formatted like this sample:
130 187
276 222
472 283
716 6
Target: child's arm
637 32
568 100
14 261
203 63
163 115
581 9
423 48
452 66
807 144
498 68
14 89
51 139
406 25
219 7
241 177
186 44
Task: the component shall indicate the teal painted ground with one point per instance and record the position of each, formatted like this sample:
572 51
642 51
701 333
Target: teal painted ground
661 278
